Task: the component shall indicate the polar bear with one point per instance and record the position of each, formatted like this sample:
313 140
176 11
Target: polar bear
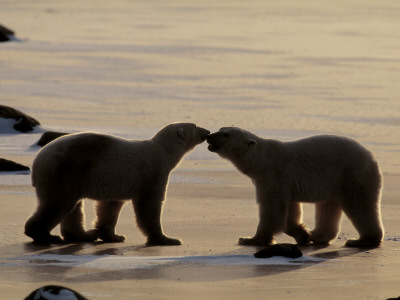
335 173
110 170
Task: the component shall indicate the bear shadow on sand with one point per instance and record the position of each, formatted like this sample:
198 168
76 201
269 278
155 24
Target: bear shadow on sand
186 268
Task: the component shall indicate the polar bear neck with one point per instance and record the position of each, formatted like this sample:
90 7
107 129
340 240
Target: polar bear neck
260 158
174 150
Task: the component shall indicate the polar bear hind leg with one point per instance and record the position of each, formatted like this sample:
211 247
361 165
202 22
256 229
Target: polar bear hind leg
361 204
47 216
366 219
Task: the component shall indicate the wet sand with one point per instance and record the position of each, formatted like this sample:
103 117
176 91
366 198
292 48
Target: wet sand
209 218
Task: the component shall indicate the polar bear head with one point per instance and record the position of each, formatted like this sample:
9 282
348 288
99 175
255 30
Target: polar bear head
231 142
183 135
236 145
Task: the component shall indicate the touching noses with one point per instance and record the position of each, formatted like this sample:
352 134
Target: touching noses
203 133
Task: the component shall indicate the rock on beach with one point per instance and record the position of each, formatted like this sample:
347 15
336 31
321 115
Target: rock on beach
8 165
286 250
23 122
6 34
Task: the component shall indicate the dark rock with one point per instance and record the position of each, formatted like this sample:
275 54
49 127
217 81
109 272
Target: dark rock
54 292
286 250
8 165
5 34
49 136
24 123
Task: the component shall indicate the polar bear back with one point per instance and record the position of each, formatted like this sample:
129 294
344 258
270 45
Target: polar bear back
329 152
95 164
329 165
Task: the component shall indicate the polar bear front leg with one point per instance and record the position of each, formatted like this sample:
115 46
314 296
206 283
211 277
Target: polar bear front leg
72 227
327 222
295 227
273 213
265 234
107 216
148 209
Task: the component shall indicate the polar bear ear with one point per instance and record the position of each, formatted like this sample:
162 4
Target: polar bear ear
251 142
181 133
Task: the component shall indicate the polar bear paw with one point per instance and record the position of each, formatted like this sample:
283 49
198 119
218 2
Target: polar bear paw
111 237
300 233
363 243
163 241
48 239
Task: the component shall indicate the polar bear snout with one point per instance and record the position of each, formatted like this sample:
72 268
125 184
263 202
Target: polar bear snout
203 133
212 140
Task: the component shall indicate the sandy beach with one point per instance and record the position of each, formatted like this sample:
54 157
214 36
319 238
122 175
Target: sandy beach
283 70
